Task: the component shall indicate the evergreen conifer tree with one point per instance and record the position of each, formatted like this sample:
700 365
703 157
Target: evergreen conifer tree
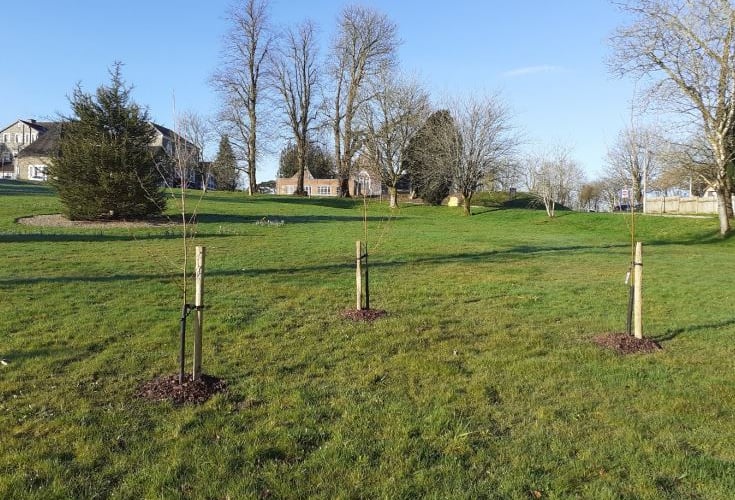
224 168
104 167
430 155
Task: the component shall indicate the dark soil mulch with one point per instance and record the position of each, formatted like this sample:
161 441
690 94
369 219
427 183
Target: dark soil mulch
363 314
626 344
167 388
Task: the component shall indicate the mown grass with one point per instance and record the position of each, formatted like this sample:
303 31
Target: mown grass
483 381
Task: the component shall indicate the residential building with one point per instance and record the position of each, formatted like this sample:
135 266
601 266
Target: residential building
312 186
13 139
27 147
33 160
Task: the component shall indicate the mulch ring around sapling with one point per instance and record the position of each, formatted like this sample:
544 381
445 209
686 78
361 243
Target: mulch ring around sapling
167 388
623 343
363 314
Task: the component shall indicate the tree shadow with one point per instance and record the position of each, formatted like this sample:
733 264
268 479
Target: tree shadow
331 202
213 218
100 237
675 332
17 188
511 254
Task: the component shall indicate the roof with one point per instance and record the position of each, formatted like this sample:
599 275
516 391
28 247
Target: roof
46 143
167 132
38 126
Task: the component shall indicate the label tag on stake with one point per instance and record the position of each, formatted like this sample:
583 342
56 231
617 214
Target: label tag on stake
627 277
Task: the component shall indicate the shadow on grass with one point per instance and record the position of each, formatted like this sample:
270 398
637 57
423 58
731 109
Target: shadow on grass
511 254
344 203
673 333
288 219
99 237
18 188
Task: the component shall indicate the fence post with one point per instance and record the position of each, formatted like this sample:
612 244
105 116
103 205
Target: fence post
199 308
638 290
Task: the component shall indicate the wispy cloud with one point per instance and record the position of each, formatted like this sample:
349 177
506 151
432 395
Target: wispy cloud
532 70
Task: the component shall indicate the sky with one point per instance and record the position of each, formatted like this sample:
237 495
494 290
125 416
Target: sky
546 60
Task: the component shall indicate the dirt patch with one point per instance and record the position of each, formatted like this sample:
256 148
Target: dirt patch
59 220
363 314
623 343
167 388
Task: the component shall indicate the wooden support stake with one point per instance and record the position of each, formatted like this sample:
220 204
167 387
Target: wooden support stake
358 274
199 308
638 291
367 279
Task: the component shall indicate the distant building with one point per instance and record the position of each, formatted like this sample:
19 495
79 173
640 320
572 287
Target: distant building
15 138
33 161
312 186
361 183
28 146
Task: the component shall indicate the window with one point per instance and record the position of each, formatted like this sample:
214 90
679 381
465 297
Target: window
5 138
289 189
18 138
308 190
37 172
324 190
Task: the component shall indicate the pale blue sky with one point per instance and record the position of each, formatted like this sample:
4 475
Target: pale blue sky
545 58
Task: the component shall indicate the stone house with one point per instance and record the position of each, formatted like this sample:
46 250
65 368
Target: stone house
33 161
31 154
13 139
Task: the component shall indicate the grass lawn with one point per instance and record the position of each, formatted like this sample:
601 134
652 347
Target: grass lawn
482 381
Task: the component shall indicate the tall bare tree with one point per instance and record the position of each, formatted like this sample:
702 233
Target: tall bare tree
553 178
295 72
484 142
391 119
239 79
633 159
198 131
690 44
689 164
364 47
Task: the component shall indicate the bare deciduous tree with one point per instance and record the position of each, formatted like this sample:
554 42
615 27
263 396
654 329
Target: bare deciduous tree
632 160
239 80
364 47
590 195
689 164
485 142
553 178
691 44
391 119
295 73
198 131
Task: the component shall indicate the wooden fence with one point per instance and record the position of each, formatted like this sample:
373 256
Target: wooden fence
676 205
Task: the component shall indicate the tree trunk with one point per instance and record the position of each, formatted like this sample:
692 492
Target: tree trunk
252 142
723 204
301 153
467 205
344 187
393 192
729 189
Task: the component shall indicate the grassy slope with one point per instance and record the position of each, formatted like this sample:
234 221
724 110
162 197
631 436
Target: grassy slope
483 380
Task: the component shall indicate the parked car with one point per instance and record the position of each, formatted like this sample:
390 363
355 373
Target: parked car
638 207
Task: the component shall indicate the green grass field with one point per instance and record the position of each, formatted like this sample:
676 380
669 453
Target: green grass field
482 381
